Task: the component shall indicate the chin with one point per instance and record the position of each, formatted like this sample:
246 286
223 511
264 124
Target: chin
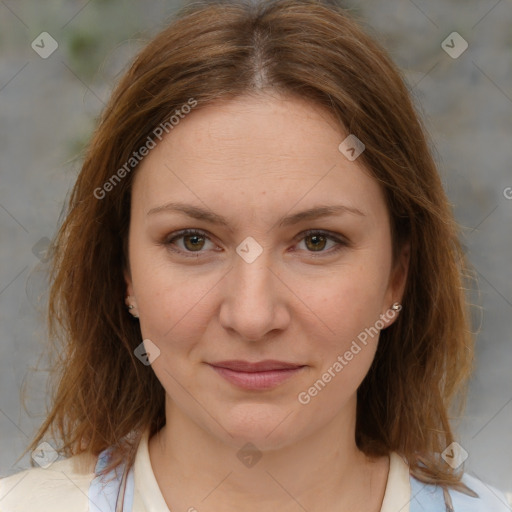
264 426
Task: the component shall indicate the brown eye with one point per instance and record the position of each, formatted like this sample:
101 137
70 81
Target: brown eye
193 242
189 242
318 242
322 242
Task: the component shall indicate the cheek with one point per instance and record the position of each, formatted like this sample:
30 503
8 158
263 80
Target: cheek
346 330
170 303
343 353
174 301
347 301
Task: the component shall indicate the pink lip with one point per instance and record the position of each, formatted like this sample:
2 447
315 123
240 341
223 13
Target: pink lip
256 376
260 366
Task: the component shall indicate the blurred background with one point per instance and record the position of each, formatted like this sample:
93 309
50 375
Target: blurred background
54 85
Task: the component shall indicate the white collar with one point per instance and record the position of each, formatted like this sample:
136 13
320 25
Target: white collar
397 495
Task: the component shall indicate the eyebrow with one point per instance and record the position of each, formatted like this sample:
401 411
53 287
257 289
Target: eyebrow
214 218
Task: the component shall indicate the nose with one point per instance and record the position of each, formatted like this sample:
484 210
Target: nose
254 299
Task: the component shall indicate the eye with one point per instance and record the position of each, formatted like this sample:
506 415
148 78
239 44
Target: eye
194 240
316 241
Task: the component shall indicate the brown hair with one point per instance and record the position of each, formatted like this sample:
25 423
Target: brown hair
221 50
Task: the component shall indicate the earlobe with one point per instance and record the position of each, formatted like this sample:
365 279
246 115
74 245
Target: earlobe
130 300
389 317
132 306
397 285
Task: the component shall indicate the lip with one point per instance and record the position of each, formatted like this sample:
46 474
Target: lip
259 366
261 375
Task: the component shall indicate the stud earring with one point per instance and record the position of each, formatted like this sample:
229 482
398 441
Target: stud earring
131 307
133 313
396 306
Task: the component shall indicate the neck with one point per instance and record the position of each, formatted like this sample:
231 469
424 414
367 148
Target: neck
323 471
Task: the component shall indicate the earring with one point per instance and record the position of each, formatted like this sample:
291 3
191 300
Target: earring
131 307
396 306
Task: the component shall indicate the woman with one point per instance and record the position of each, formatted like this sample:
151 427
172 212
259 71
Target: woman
258 285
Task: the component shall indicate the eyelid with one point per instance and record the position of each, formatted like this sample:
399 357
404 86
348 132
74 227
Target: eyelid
325 232
182 233
340 240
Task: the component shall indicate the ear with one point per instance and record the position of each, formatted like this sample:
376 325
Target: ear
128 281
130 299
397 283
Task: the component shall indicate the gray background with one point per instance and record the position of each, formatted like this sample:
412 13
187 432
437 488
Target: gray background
48 109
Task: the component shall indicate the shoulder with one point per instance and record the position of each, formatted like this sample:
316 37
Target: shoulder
429 497
489 498
62 486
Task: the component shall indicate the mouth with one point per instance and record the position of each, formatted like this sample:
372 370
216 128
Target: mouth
261 375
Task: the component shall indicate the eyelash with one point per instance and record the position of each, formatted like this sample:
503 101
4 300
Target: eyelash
192 254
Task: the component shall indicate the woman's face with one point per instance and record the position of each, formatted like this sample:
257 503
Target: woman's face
264 277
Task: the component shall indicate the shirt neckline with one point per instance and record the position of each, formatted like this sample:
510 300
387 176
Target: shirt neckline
397 494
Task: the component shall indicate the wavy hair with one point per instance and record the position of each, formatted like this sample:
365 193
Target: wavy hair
317 50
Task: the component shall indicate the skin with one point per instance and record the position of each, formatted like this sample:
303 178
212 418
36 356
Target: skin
254 160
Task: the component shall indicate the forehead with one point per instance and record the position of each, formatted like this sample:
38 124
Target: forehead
259 152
